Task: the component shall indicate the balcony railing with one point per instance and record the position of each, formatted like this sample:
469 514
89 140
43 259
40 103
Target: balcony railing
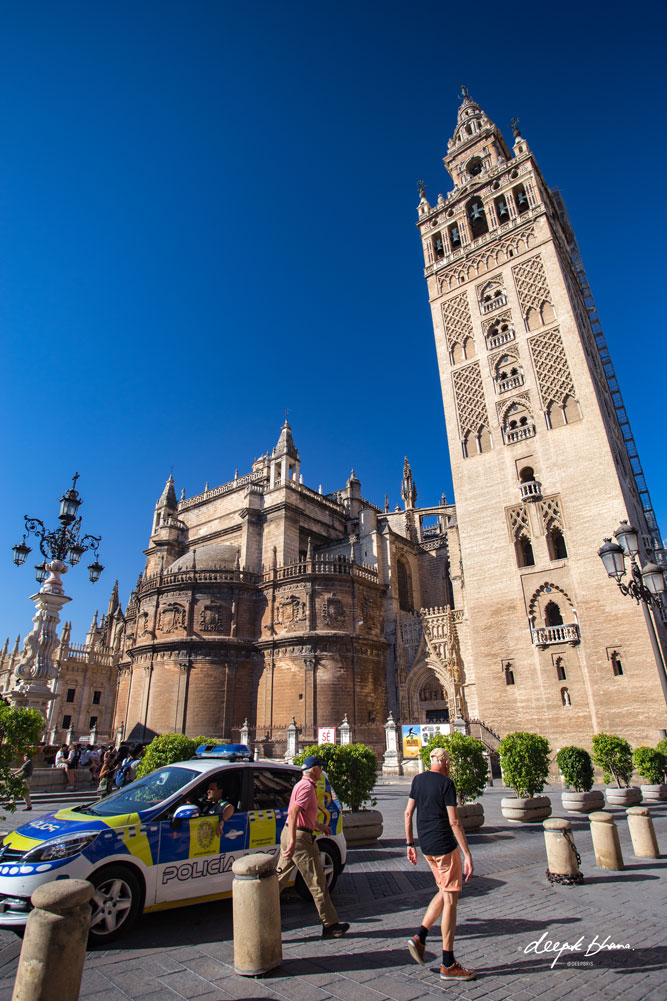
519 434
513 382
548 635
530 490
496 303
495 340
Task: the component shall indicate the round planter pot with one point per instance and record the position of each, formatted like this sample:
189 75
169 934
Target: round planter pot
526 811
363 828
472 816
582 802
624 798
654 793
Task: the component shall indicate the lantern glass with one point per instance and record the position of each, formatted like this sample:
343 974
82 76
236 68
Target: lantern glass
21 551
613 558
94 571
70 503
41 573
74 553
628 538
653 578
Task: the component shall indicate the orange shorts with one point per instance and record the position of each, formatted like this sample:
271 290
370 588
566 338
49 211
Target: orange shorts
447 871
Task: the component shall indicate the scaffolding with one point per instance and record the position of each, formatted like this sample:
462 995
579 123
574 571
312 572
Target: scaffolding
612 382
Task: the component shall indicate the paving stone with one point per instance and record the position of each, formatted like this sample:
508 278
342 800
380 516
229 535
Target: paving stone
187 984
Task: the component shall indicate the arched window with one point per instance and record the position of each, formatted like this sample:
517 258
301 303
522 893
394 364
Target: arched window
458 354
552 615
520 199
527 474
474 166
556 544
571 410
509 673
484 440
477 217
518 423
508 374
524 552
499 333
616 664
404 575
560 669
454 237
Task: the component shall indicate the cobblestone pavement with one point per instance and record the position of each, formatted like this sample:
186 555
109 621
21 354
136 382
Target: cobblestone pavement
507 905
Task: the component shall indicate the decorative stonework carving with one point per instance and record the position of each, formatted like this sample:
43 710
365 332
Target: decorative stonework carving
171 617
551 514
333 610
442 640
457 320
142 624
531 285
470 402
487 260
554 379
518 522
291 611
214 618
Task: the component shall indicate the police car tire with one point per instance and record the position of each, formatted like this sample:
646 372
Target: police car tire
132 884
327 848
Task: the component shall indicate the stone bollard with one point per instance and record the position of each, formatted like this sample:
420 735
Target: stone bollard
562 855
606 844
54 945
642 832
258 945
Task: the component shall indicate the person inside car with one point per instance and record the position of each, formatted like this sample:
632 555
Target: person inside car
216 805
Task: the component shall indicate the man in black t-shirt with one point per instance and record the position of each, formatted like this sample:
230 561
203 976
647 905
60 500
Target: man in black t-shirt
439 829
216 805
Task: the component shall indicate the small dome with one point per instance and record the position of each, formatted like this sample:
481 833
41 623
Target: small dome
220 556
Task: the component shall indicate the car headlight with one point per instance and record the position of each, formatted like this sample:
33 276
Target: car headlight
62 847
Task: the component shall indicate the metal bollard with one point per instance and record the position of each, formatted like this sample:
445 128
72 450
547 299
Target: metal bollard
563 859
54 945
642 832
258 945
606 844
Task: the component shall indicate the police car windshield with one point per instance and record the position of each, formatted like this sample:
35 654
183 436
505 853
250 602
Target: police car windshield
144 794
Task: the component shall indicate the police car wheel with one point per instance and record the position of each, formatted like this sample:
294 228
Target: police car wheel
115 904
330 857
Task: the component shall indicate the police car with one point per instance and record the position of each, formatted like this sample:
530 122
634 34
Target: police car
148 846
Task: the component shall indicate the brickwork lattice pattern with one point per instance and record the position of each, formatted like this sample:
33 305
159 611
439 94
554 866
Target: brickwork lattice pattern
554 379
551 513
457 319
518 523
470 402
531 284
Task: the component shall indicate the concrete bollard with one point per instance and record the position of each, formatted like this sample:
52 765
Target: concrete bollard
562 855
642 832
258 945
606 844
54 945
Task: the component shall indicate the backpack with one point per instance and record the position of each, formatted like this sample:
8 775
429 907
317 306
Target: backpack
123 775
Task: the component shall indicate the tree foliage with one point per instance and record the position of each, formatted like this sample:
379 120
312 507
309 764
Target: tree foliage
650 763
165 750
352 771
614 756
19 728
576 767
524 759
468 770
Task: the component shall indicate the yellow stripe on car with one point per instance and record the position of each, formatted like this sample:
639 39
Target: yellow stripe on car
262 828
204 839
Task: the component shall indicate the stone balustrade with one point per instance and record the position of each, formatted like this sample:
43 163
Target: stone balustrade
548 635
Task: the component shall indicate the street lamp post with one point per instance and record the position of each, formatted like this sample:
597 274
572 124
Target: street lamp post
63 545
646 586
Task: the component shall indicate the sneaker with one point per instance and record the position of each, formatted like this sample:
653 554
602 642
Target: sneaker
456 972
417 949
335 931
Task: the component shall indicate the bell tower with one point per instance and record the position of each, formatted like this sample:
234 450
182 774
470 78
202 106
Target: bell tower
539 460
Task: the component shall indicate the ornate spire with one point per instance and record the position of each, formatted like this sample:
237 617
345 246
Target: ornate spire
408 488
285 444
168 495
113 600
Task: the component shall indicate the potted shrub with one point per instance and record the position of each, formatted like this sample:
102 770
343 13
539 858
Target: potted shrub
614 756
524 759
576 767
651 764
468 772
352 771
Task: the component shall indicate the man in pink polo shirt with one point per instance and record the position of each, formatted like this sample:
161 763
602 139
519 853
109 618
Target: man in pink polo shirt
298 848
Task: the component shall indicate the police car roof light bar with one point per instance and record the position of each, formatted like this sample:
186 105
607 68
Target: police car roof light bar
229 752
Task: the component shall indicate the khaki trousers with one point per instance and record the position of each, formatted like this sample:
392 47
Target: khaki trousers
306 858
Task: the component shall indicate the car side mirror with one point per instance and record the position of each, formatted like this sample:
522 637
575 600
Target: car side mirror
187 811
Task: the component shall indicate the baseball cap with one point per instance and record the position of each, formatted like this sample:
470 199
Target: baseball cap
311 762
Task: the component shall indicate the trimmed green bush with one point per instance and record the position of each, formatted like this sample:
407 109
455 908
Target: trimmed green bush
165 750
576 767
614 756
468 768
662 747
352 771
524 759
650 763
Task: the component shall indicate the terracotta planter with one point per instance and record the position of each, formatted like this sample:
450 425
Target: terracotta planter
472 816
624 798
526 811
582 802
363 828
654 793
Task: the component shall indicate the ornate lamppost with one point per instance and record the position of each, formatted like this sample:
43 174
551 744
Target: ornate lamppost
646 586
63 545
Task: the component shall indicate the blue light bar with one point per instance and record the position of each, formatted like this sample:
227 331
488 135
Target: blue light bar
229 752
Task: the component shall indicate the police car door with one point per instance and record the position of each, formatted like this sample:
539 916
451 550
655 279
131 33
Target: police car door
195 862
272 788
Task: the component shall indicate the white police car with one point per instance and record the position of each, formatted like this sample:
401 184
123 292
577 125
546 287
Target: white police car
146 847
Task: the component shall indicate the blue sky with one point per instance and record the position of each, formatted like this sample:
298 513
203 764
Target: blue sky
207 216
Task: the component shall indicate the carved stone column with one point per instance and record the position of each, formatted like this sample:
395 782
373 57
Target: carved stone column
392 756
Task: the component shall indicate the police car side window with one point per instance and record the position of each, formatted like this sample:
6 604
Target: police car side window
272 788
